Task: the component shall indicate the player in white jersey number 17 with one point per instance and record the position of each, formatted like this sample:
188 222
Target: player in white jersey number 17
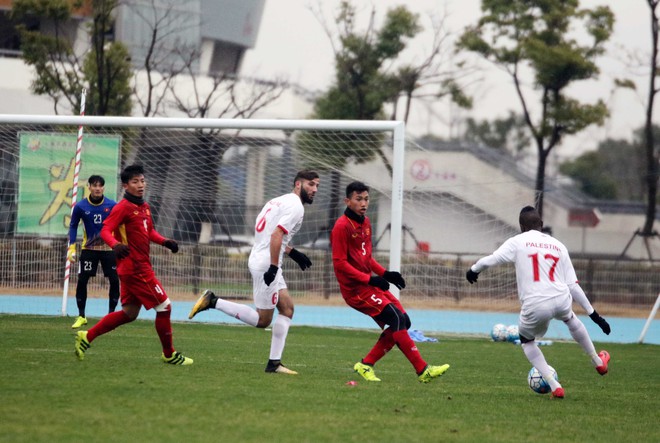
547 286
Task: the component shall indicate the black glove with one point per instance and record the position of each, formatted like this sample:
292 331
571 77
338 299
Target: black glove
121 250
395 278
303 261
379 282
471 276
171 245
269 275
601 322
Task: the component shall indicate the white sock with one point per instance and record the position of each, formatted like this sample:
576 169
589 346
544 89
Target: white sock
239 311
280 331
580 335
537 359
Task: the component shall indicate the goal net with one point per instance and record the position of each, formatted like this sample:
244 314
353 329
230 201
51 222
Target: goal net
206 182
433 210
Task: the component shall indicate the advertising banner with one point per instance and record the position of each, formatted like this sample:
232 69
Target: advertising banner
46 171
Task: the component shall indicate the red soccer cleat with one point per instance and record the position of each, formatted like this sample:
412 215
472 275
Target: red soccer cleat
605 356
558 393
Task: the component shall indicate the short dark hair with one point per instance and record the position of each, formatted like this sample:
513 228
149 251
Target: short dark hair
530 219
131 171
96 179
305 174
356 186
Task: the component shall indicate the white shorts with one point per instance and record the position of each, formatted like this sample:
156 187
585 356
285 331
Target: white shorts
266 297
535 316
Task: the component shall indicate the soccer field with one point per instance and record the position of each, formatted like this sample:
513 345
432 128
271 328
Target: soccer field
122 392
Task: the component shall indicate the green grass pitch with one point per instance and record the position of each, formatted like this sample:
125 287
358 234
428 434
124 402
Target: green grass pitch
122 392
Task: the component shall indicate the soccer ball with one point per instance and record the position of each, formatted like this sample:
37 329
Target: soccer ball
537 383
498 333
512 333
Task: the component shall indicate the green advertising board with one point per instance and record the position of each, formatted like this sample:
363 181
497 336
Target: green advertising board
46 171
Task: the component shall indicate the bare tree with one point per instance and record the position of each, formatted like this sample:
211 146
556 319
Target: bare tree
162 61
169 64
169 79
220 95
434 77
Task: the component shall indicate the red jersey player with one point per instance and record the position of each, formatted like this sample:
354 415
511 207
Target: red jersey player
129 230
367 293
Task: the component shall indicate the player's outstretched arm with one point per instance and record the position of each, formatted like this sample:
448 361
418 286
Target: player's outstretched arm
303 261
71 253
471 276
172 245
270 274
379 282
73 224
504 254
121 250
395 278
579 296
601 322
110 225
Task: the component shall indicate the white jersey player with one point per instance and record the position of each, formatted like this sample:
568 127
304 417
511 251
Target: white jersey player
285 213
547 285
276 224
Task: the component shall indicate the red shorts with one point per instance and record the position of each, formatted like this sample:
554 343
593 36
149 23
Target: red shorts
143 290
371 300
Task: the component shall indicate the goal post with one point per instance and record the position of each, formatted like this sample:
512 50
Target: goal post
74 197
650 319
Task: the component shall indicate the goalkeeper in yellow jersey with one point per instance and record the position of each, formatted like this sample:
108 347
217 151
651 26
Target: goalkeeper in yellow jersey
92 210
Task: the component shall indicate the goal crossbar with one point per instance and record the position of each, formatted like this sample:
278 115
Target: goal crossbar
213 123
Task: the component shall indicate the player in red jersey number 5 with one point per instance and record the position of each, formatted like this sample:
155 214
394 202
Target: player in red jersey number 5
354 267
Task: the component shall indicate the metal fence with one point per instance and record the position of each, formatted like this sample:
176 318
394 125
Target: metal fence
36 266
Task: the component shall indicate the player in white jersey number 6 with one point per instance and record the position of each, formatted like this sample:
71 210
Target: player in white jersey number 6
276 224
547 285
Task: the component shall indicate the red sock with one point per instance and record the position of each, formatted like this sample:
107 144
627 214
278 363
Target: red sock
164 330
383 345
107 324
409 349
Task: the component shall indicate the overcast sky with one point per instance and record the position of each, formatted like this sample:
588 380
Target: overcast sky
292 44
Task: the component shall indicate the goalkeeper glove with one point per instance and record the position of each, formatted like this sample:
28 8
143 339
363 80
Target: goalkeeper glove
471 276
171 245
303 261
71 253
379 282
395 278
601 322
121 250
269 275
